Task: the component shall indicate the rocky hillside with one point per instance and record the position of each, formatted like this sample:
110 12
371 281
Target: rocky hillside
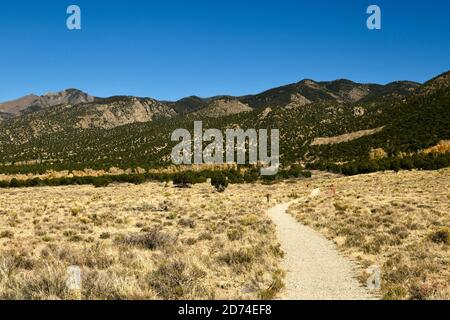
306 92
440 82
105 113
118 111
339 91
348 119
32 103
223 107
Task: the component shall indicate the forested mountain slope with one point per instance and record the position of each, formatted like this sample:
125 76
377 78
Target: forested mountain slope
127 132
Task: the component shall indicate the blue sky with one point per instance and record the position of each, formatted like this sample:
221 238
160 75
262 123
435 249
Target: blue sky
171 49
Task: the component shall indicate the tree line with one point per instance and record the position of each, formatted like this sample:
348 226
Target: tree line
220 179
417 161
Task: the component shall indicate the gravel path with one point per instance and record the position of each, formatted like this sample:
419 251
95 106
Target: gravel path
315 269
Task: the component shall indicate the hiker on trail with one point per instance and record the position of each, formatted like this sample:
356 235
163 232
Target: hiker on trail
268 198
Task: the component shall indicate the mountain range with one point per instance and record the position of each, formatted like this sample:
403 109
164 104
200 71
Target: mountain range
32 102
297 94
72 129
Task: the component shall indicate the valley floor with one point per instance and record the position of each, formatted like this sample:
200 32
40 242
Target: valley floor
154 241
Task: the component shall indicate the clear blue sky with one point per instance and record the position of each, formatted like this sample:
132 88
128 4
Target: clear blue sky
171 49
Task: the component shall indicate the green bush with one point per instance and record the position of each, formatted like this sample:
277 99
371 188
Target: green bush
183 179
417 161
14 183
251 175
101 182
220 182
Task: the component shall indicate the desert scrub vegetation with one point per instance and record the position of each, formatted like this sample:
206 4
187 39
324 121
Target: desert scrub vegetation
140 241
220 179
425 161
398 221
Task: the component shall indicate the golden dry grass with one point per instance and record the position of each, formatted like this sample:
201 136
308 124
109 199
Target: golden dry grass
151 241
154 241
398 221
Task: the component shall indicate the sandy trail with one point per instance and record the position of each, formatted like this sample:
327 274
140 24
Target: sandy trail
315 269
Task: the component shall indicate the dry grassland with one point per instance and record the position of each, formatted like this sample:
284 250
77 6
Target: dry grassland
154 241
398 221
150 241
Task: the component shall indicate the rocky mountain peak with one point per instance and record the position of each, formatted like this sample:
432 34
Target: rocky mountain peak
33 102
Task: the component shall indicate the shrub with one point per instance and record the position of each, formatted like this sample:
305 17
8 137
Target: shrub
105 235
441 236
251 175
96 256
137 179
14 183
235 234
47 238
101 182
395 165
76 238
205 236
49 282
274 288
220 182
152 240
75 211
295 171
7 234
407 163
269 179
307 174
183 180
241 257
187 223
35 182
174 279
249 220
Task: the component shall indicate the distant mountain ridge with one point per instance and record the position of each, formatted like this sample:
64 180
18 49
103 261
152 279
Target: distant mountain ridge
124 131
304 92
307 92
33 102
